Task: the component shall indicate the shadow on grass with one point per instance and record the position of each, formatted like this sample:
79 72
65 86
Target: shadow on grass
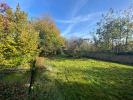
13 91
13 85
117 61
12 74
71 83
85 84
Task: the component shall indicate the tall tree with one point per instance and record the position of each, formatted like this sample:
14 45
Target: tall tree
114 31
50 39
18 39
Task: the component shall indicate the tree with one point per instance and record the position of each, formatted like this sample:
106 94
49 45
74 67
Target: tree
105 27
18 39
114 31
50 39
128 28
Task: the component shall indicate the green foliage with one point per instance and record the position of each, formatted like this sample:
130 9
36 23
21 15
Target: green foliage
18 39
50 39
115 31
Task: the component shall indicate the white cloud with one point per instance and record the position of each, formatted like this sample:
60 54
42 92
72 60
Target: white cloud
74 20
79 19
78 6
68 30
75 10
84 32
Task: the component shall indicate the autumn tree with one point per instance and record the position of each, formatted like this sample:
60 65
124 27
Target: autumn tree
18 39
50 38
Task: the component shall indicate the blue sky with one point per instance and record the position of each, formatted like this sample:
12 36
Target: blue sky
74 18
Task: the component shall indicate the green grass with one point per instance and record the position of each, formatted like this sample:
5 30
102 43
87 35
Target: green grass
13 85
83 79
71 79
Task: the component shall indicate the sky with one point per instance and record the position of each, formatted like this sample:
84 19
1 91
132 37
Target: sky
74 18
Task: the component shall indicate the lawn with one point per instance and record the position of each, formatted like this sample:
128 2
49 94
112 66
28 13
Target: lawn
83 79
70 79
14 85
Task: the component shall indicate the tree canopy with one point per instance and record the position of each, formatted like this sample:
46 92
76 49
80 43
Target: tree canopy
18 38
50 38
115 31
